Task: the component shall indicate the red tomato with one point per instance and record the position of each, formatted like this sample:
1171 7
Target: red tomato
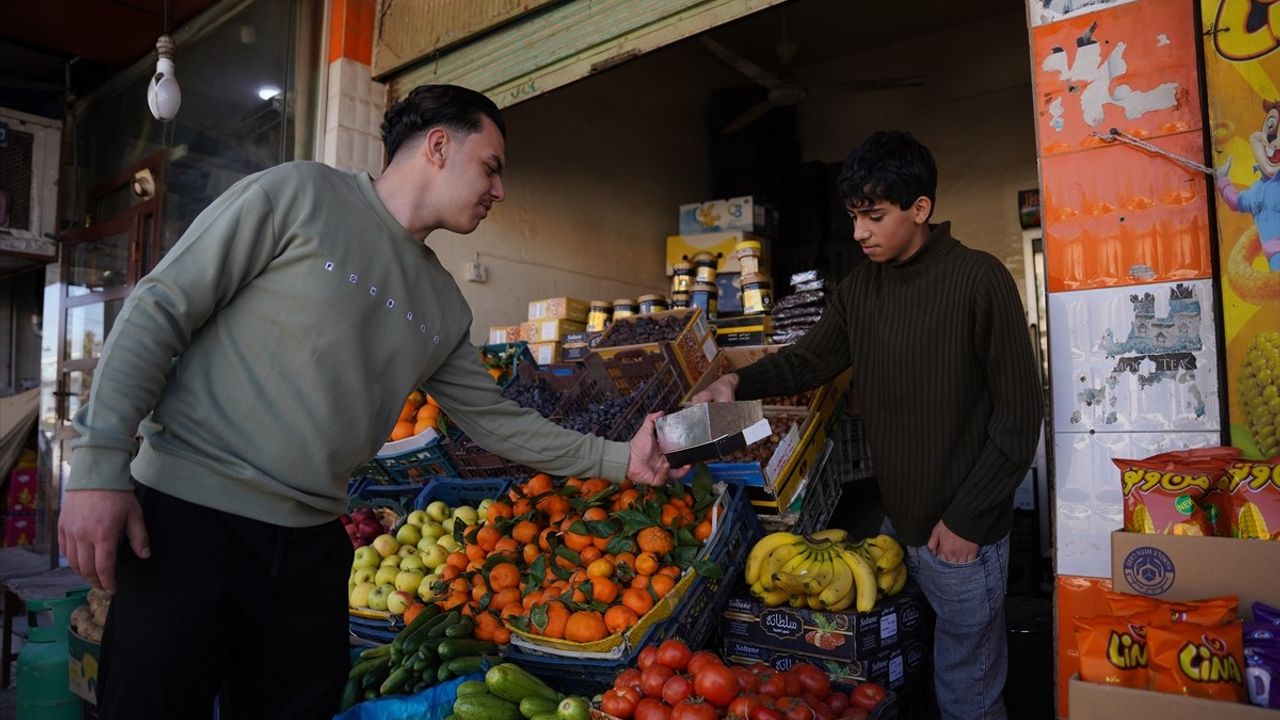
676 690
812 680
674 654
701 659
820 709
855 713
653 678
648 656
618 704
795 709
794 689
866 696
693 710
651 709
741 707
760 712
759 668
717 685
629 678
839 702
748 681
775 686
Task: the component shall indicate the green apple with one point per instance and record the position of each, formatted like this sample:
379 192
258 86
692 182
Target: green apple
386 545
434 556
408 535
399 601
366 557
359 597
432 529
409 580
447 525
425 590
386 575
363 574
466 514
413 562
406 550
378 597
393 560
483 507
417 517
448 542
438 510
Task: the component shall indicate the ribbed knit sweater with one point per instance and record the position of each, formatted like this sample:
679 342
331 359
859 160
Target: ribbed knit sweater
951 393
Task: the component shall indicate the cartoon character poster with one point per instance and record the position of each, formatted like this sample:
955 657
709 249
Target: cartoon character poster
1242 65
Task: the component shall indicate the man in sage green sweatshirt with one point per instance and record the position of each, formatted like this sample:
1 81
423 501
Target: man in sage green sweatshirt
266 357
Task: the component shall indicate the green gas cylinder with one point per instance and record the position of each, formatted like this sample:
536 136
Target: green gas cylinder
43 693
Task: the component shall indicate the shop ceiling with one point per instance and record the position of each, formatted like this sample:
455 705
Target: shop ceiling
39 39
568 41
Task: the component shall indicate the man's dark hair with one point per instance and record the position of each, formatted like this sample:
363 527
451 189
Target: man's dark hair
457 109
890 165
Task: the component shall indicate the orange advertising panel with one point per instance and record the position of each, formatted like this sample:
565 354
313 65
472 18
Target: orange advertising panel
1118 215
1131 67
1242 71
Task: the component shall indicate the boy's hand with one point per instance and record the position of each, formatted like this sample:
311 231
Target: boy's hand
722 390
951 547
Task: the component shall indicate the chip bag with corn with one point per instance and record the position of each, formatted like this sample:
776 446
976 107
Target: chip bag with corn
1163 493
1253 487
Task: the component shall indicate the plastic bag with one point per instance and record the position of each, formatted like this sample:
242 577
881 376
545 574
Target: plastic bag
1163 493
1113 651
1198 661
1254 489
434 703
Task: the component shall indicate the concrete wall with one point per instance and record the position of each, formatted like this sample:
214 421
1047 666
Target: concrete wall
595 173
974 112
596 170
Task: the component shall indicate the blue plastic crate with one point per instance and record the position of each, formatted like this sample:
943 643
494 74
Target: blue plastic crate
416 497
397 497
456 491
521 356
694 620
418 465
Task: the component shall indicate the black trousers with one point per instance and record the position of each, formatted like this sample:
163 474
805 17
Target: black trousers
252 613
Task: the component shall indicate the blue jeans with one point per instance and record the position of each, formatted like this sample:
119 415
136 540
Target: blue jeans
970 643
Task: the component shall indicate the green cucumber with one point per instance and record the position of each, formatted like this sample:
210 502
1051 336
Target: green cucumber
450 620
463 628
473 687
534 705
466 665
461 647
514 683
485 707
423 618
394 681
350 694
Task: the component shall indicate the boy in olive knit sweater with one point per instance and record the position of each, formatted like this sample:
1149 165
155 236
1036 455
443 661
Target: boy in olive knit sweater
942 360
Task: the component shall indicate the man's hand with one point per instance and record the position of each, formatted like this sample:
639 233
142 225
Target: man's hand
648 466
721 390
89 527
951 547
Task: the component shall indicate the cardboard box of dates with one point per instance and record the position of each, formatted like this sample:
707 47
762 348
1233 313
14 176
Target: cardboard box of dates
686 330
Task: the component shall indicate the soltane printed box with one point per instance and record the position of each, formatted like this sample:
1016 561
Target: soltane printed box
837 636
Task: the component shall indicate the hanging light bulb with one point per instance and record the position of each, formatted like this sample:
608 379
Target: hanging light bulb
163 95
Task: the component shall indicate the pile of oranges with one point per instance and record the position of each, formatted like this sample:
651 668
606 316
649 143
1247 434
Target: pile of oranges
419 413
578 560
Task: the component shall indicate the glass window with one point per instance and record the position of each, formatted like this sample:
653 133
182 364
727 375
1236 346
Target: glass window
97 265
237 116
87 328
79 385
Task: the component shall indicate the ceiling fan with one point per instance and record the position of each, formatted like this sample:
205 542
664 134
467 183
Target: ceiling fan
782 92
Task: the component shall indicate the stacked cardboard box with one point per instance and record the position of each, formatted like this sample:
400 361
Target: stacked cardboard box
550 320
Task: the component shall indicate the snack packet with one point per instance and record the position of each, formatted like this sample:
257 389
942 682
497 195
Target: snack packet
1162 494
1210 611
1253 487
1264 613
1113 651
1198 661
1262 664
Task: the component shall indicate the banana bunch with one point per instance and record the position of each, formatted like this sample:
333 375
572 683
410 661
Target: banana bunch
823 571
